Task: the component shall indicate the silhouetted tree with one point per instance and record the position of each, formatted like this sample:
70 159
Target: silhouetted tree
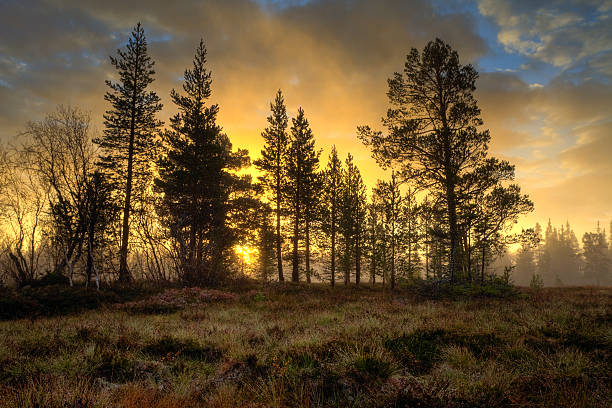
559 260
352 219
312 183
374 238
597 265
197 179
266 243
131 127
330 205
101 213
525 260
433 128
389 195
301 169
273 164
410 235
60 153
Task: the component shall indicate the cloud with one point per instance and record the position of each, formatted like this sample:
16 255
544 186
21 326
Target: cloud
561 33
333 58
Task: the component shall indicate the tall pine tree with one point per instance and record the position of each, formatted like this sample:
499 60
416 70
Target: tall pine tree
302 165
434 131
273 164
197 179
330 205
130 129
352 219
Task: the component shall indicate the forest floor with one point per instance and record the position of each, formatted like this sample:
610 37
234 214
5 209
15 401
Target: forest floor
299 346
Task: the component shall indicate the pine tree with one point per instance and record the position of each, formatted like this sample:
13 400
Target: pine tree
598 268
197 179
434 133
352 219
130 129
410 235
301 169
312 182
389 195
273 164
525 264
266 251
375 238
361 202
330 205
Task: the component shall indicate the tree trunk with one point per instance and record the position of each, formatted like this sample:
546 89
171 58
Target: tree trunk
373 257
392 255
357 256
469 255
482 267
295 273
307 247
124 275
279 255
333 242
453 230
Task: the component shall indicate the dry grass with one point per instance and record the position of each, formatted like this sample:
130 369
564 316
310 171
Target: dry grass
299 346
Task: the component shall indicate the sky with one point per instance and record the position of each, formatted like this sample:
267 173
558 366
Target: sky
545 85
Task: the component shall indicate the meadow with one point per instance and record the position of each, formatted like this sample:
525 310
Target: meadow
313 346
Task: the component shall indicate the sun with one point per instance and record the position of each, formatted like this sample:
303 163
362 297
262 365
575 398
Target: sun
246 253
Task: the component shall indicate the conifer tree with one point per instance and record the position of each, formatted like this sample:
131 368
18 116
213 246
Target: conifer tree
301 179
390 197
374 238
312 182
410 235
197 178
352 219
598 267
266 243
330 205
434 132
273 164
130 129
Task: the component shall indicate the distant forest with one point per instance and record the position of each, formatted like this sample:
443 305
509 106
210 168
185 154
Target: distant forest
172 201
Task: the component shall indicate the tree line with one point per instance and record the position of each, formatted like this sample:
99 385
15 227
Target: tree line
553 257
144 201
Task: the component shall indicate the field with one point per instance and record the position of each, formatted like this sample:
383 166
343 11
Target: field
299 346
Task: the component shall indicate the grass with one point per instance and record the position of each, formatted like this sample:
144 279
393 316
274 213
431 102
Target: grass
299 346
